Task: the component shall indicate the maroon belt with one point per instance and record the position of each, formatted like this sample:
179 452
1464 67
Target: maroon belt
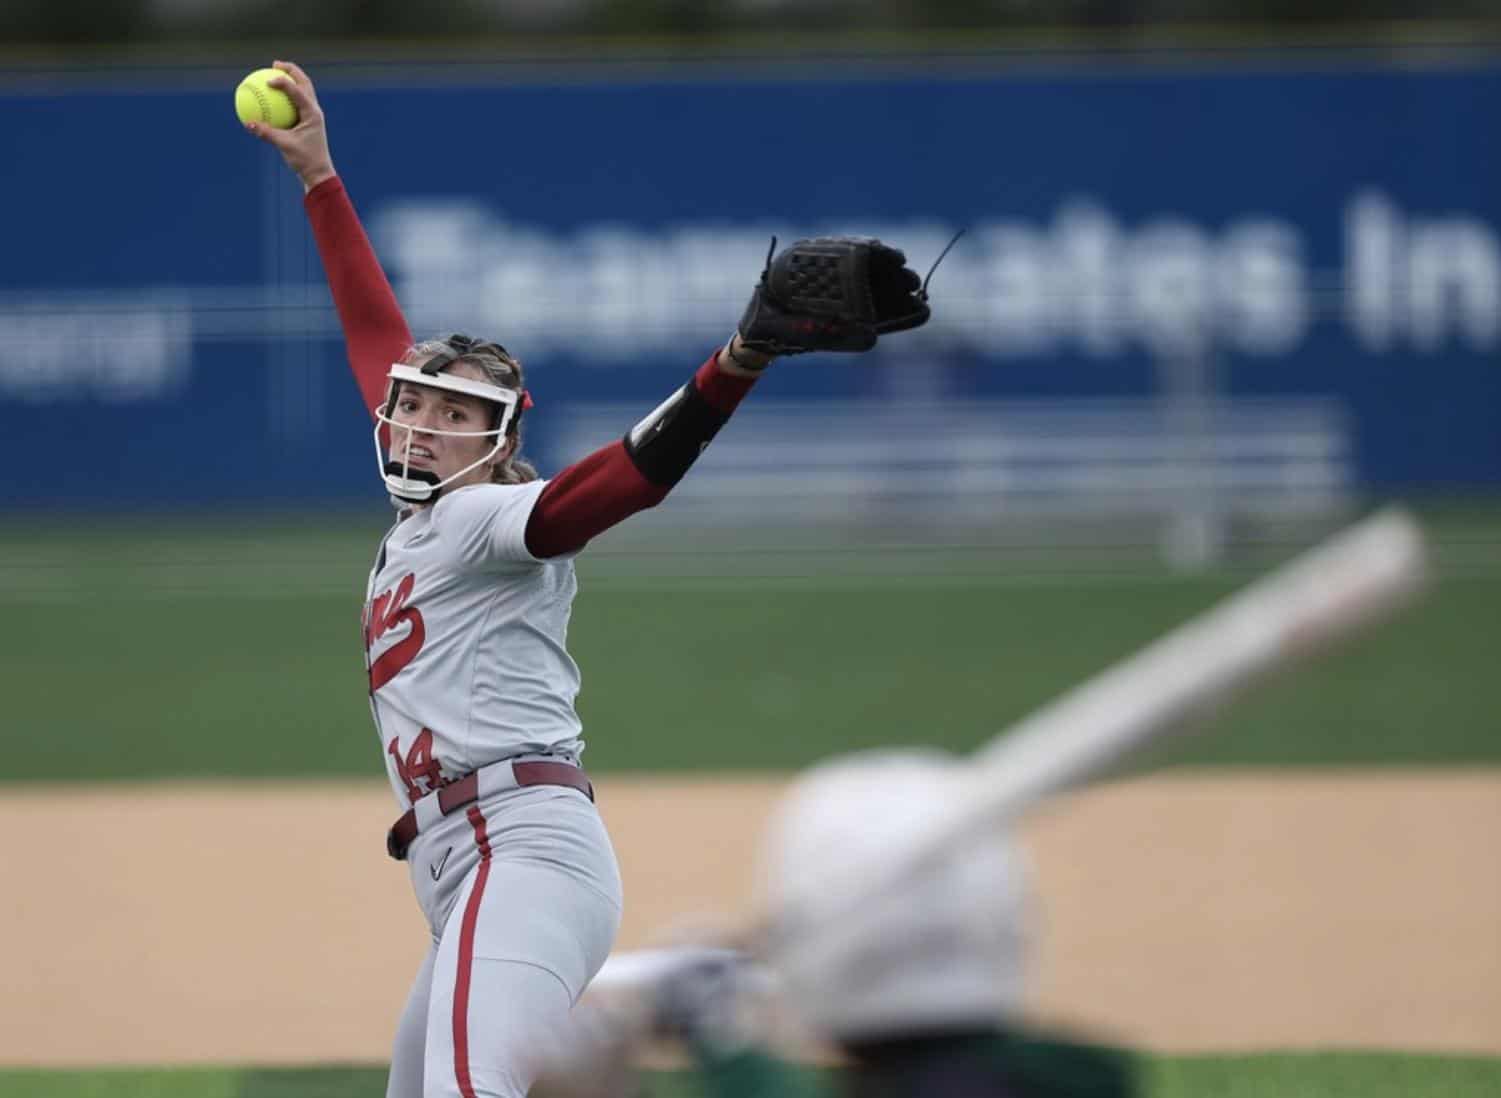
456 795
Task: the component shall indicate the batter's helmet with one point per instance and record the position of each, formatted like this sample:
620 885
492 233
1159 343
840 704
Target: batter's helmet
945 951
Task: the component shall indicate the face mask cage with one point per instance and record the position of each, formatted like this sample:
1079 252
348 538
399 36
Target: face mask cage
411 485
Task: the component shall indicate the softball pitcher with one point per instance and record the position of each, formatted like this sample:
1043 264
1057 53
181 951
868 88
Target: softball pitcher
471 685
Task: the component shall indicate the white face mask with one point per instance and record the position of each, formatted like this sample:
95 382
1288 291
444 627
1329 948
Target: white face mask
419 485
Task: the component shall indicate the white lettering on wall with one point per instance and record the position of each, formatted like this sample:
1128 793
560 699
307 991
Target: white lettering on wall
1082 283
1454 284
1424 283
119 351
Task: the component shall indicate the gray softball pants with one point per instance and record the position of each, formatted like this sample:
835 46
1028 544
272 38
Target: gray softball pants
522 894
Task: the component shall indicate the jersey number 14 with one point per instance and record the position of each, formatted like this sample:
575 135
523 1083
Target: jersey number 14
420 771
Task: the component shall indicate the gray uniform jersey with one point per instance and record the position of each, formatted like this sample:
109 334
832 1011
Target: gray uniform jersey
465 635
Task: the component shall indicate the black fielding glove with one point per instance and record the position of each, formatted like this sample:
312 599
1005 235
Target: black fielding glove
832 293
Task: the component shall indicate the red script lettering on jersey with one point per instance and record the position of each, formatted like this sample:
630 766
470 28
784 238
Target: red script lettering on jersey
388 610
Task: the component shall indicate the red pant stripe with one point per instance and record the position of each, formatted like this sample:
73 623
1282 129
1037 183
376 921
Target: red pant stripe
466 958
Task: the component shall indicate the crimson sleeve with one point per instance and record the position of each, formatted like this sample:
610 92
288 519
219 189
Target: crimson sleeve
586 499
605 488
375 332
723 391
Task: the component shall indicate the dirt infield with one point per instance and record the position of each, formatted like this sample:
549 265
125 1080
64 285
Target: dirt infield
264 924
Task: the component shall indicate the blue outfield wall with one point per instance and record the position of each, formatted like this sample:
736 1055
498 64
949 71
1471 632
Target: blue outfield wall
1294 226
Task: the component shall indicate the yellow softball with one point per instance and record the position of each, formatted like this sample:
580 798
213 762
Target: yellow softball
257 101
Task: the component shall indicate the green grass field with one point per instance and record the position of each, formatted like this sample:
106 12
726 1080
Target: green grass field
208 651
1323 1075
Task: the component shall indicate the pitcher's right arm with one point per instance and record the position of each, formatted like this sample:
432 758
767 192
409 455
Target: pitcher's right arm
375 332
